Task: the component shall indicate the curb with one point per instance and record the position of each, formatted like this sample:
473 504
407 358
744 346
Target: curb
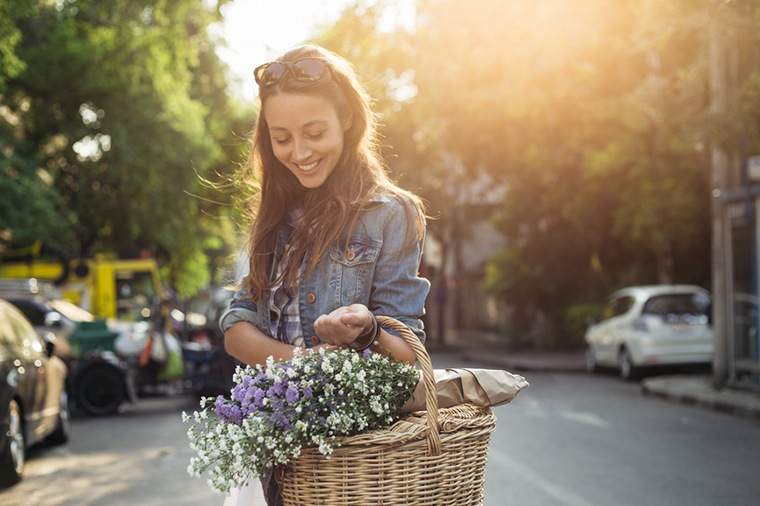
731 402
524 365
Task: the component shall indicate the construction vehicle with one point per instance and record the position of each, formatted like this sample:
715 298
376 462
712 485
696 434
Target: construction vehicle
105 286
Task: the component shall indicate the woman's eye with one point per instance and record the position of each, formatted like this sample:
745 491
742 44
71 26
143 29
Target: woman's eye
282 141
316 135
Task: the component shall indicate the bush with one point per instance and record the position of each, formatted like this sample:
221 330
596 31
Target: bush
576 319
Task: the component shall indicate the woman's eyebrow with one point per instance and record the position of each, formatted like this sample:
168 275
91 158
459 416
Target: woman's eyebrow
311 123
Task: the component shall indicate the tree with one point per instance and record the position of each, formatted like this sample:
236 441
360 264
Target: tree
123 106
589 114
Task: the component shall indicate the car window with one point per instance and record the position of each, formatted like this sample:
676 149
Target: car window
618 306
24 334
31 310
678 305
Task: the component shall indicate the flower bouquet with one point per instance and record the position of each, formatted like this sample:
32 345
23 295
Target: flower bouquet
276 411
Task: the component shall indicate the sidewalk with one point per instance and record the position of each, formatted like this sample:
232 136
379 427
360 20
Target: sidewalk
699 390
488 348
570 362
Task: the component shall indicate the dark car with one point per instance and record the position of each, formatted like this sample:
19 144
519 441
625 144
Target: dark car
33 401
98 382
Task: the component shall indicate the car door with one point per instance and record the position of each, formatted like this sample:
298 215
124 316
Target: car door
31 352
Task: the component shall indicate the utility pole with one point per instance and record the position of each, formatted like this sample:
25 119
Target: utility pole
719 161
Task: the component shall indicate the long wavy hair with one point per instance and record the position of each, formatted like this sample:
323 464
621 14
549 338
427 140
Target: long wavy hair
331 211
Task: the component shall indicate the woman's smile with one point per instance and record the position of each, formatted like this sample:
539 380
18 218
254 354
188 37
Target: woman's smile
308 167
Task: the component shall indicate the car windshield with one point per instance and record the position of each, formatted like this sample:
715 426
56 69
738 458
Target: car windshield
135 293
677 307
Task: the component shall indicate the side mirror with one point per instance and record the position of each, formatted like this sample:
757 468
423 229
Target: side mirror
53 319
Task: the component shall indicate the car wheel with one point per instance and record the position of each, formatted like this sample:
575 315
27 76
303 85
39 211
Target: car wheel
591 364
100 390
628 371
63 427
14 447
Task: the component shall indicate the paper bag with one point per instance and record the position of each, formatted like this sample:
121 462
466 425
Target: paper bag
482 387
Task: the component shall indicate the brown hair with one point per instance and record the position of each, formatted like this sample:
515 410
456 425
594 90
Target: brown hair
358 176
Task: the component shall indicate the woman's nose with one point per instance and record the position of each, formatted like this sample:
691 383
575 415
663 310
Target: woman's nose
301 151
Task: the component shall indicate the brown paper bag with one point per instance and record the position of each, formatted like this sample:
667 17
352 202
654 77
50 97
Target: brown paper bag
482 387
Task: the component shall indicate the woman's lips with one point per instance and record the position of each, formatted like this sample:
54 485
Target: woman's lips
308 167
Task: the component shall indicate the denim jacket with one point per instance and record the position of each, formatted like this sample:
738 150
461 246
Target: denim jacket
379 269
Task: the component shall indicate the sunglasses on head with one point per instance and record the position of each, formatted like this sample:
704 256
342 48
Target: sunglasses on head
305 70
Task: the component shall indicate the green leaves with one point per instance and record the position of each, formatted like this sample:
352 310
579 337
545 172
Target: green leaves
124 105
591 117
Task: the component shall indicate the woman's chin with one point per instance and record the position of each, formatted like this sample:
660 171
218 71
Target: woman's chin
311 183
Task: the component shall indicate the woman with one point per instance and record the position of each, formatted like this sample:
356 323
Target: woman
334 241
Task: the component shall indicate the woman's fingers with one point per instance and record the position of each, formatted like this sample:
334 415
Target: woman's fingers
352 319
343 325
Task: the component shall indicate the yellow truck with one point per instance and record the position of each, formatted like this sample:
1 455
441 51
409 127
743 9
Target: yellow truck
105 286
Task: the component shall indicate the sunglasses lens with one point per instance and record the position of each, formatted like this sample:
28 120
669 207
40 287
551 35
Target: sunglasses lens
309 69
270 74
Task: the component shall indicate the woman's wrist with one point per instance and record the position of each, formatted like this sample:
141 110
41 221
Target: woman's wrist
368 335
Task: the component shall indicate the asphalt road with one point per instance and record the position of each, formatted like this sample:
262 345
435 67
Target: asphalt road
567 440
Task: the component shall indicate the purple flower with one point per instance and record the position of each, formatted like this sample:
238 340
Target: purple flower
238 392
308 393
258 397
228 412
366 353
291 395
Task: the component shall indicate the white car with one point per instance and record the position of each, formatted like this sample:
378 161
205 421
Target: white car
648 326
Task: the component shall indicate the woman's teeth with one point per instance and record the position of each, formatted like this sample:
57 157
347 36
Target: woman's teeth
308 167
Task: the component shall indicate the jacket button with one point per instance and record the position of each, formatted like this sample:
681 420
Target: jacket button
311 297
314 340
350 255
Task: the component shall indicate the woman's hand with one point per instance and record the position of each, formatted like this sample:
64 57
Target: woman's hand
344 325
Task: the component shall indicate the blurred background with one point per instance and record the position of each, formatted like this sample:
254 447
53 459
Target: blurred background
592 174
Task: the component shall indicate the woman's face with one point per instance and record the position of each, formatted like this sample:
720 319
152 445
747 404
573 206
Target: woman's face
307 135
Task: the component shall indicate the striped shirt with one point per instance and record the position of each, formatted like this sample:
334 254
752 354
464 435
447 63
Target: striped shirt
284 314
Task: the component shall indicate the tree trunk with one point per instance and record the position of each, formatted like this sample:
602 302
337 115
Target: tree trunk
665 264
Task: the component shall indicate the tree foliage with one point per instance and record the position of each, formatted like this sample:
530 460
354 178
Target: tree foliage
591 115
118 112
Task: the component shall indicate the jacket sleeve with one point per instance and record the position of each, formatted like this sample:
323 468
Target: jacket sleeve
241 308
397 289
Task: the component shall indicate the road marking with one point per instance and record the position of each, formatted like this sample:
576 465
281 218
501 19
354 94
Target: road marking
529 475
587 418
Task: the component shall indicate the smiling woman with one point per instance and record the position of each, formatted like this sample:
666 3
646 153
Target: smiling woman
334 244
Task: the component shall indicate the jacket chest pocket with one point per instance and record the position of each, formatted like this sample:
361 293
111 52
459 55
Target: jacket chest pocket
353 269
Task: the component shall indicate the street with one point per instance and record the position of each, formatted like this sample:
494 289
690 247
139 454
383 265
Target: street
569 439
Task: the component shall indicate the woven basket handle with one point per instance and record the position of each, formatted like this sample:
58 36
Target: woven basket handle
431 395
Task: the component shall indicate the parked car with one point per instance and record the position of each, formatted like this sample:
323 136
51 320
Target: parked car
649 326
33 401
99 382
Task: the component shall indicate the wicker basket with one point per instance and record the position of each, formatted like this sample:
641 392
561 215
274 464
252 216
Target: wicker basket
433 457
